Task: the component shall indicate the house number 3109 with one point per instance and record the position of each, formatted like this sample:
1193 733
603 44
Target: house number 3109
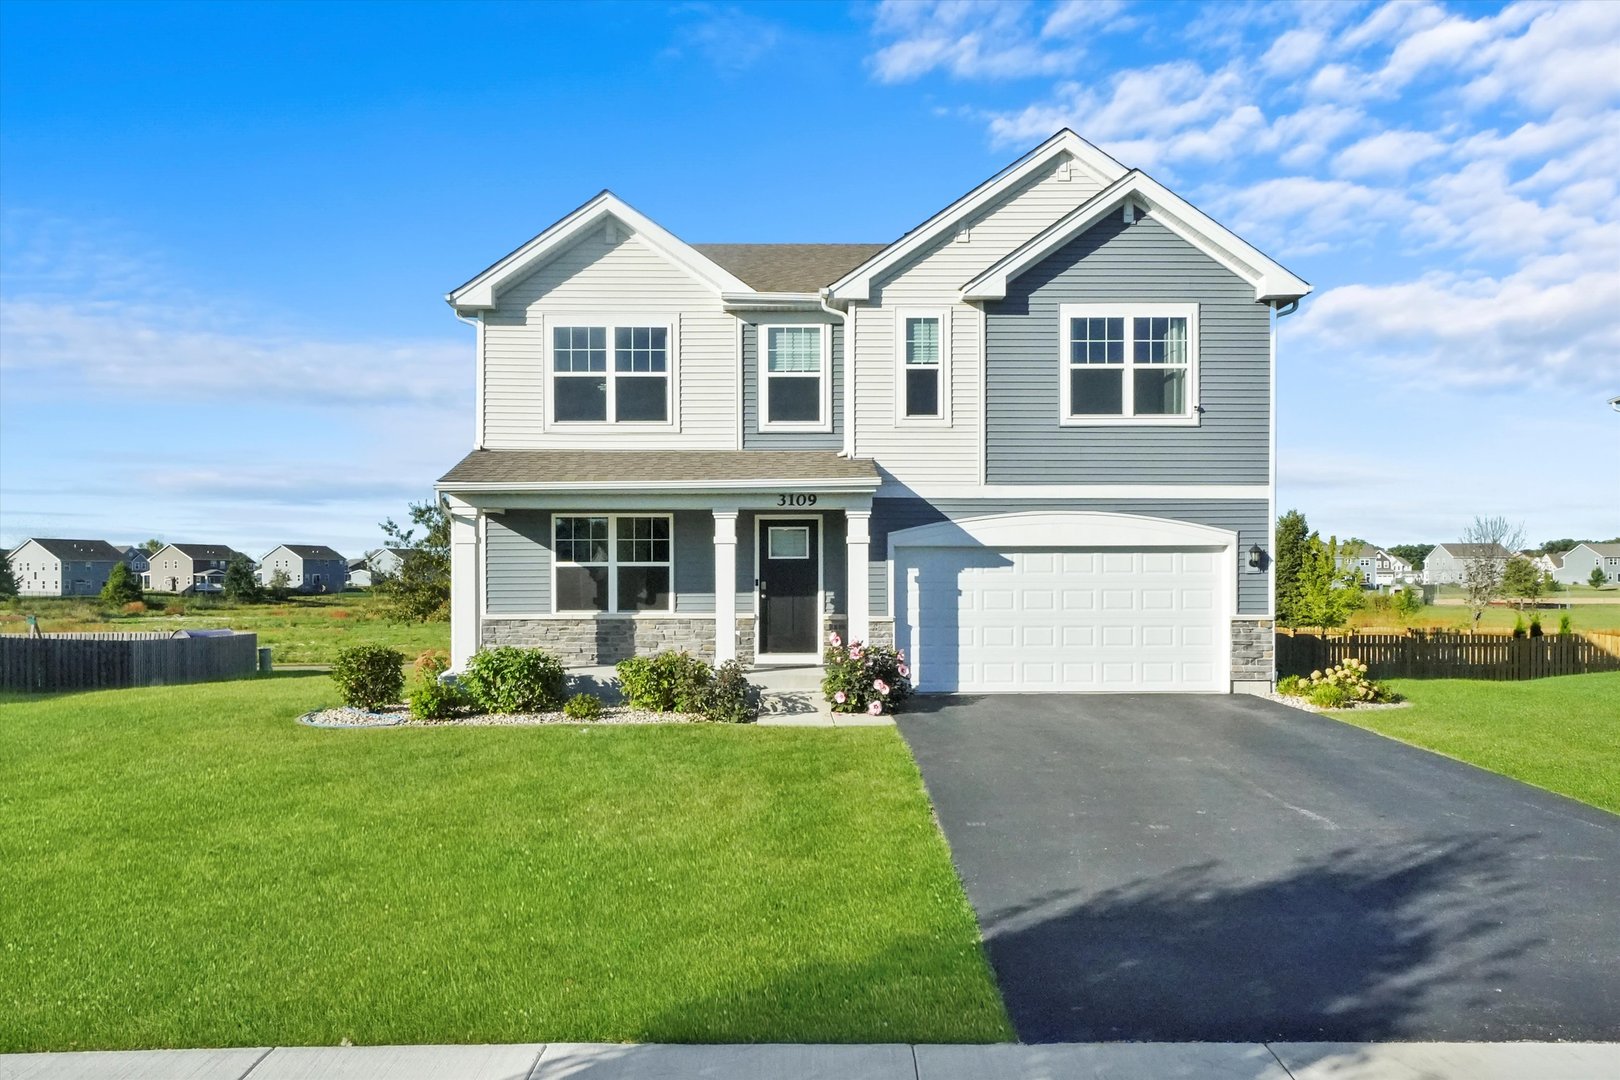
795 500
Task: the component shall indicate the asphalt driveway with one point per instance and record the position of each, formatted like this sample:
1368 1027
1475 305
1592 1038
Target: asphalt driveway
1161 867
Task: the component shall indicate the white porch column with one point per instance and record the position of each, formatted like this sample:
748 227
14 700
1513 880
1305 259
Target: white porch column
859 534
725 586
464 586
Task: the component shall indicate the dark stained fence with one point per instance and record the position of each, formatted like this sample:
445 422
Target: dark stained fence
1443 655
54 662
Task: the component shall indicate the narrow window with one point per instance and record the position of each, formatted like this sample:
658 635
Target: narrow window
793 375
641 373
922 368
1159 347
642 563
579 367
1096 367
581 554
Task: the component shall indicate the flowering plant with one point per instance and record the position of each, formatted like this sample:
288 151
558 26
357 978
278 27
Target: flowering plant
1341 685
864 678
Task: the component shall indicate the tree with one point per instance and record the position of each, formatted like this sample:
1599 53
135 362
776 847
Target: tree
1558 547
153 546
1292 533
280 584
1488 544
1597 578
122 587
420 592
1414 554
241 585
1327 592
8 580
1521 578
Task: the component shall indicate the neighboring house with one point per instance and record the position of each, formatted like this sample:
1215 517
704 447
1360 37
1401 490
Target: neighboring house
137 561
189 568
1580 560
1029 443
310 568
359 574
1378 568
385 561
1447 563
63 567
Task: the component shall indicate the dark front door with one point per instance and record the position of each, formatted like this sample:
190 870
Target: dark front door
789 581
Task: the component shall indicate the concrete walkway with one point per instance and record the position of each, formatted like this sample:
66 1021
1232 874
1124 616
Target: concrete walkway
898 1061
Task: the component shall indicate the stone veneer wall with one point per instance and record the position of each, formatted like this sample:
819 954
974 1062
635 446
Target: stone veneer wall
1254 658
745 640
881 630
591 642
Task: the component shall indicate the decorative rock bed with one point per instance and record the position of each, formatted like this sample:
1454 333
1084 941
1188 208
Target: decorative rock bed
399 716
1360 706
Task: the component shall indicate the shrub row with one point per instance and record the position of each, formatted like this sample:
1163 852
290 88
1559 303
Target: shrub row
683 683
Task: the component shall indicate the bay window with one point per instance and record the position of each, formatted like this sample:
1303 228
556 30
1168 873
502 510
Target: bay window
794 378
634 388
612 563
1128 363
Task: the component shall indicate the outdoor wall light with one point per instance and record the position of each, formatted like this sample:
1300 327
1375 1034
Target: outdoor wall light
1255 555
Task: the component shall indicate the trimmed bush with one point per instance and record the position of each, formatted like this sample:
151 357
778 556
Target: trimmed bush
1350 677
1291 686
1328 696
514 680
583 707
369 676
1566 626
665 682
859 678
435 700
732 699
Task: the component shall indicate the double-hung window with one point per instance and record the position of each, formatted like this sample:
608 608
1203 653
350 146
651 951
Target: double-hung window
1128 363
795 378
590 387
611 563
924 379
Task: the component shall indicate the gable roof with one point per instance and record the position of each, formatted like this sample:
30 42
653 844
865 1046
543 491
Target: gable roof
789 268
201 551
479 293
307 551
1473 551
857 284
77 550
1606 550
1271 280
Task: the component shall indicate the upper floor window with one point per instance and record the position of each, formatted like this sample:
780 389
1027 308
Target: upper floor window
587 389
924 378
1128 363
795 380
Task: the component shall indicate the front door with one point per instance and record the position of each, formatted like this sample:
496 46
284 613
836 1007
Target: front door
789 586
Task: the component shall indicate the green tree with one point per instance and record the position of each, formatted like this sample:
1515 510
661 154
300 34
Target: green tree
122 587
1292 534
8 580
280 584
1414 554
1558 547
153 546
1328 593
1521 579
420 591
241 585
1597 578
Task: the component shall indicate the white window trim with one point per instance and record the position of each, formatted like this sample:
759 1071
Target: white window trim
762 364
672 326
1127 312
944 417
770 535
612 564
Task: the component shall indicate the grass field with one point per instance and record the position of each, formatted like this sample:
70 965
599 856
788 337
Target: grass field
1588 609
299 630
185 866
1560 734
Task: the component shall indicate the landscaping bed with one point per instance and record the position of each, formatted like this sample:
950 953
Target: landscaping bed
347 716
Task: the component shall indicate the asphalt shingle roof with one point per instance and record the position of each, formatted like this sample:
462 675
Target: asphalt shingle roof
653 466
1471 551
800 268
206 551
81 550
312 551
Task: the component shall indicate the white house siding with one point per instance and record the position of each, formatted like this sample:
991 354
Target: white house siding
918 454
628 279
38 572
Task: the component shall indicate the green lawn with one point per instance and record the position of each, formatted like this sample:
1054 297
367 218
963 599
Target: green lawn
299 630
1560 734
185 866
1589 610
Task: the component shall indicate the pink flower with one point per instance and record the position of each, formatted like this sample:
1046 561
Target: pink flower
905 672
900 654
840 697
880 686
855 652
834 640
875 709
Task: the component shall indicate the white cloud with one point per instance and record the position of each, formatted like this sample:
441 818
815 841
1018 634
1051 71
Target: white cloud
1300 215
1294 51
1388 153
728 38
986 39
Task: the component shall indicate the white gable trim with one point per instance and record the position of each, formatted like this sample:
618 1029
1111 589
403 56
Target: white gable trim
1270 279
857 284
479 293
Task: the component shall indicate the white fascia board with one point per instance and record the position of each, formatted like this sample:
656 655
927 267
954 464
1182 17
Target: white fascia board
857 284
844 483
771 301
1271 280
479 293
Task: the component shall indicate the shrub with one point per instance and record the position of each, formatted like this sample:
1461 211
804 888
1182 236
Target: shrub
871 679
1349 677
1597 578
134 607
666 682
431 663
1518 626
1565 625
175 609
732 698
122 586
435 699
1409 600
1328 696
514 680
1535 625
1291 686
583 707
369 676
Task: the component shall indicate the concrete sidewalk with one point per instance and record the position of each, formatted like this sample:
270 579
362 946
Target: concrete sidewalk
897 1061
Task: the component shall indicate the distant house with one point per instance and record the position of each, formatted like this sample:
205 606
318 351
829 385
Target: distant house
1545 563
310 568
359 574
1580 560
189 568
1447 563
63 567
1378 568
386 561
137 560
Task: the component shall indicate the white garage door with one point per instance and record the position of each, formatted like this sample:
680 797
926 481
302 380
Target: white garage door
984 620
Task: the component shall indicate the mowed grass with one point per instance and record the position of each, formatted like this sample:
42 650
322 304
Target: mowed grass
1591 610
299 630
1561 734
186 866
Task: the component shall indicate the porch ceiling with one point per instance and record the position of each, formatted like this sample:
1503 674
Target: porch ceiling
604 470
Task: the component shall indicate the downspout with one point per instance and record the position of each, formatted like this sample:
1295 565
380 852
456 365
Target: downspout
824 297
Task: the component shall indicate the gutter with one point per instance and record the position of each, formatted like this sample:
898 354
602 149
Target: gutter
824 296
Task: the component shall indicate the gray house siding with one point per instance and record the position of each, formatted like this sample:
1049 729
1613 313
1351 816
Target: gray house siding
1141 262
753 438
1250 519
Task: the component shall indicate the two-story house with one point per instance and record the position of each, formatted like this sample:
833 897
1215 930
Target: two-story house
189 568
1447 564
310 568
1378 569
1582 559
62 567
1030 443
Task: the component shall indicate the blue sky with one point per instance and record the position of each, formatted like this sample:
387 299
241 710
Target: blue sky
226 230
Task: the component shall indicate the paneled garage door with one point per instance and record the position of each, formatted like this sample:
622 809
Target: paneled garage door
986 620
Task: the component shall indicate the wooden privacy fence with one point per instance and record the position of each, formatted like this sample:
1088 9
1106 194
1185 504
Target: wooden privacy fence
1430 655
112 661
